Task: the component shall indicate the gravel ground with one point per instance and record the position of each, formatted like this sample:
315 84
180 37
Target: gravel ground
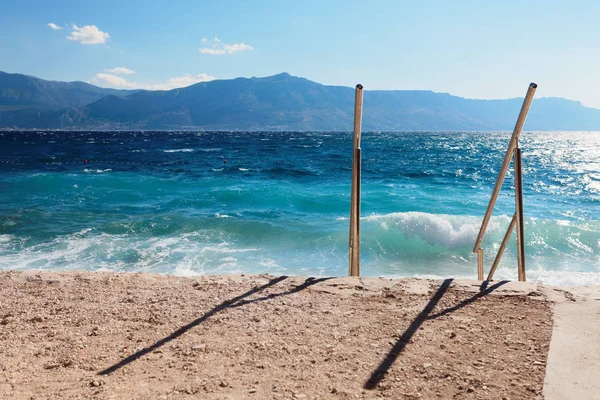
81 335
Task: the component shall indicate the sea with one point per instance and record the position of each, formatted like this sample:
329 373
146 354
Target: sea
195 203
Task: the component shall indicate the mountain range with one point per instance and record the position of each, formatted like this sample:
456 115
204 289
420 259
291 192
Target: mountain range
279 102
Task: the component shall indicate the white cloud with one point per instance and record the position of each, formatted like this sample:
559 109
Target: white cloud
177 82
214 52
182 81
113 80
89 34
120 71
54 26
218 48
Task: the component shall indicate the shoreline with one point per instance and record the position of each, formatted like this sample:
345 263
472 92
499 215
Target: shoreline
136 335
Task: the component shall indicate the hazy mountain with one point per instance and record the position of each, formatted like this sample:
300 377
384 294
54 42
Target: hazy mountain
23 91
279 102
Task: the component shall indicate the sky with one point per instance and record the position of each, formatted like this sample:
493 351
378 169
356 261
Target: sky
474 49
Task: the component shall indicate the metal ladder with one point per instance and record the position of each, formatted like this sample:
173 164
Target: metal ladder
517 219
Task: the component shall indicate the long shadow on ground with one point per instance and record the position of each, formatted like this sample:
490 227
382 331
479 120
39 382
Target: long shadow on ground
423 316
232 303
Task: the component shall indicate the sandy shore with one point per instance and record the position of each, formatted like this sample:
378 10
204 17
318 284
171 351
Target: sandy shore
140 336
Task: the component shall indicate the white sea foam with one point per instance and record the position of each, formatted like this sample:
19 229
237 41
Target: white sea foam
186 254
448 230
538 273
178 151
83 232
6 238
225 248
98 171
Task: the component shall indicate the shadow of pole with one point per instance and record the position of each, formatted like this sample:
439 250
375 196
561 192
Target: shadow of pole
478 295
232 303
423 316
393 354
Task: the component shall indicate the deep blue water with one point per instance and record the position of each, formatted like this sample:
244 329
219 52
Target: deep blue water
167 202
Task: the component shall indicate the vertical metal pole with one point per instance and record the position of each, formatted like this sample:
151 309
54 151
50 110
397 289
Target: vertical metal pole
354 253
519 213
480 264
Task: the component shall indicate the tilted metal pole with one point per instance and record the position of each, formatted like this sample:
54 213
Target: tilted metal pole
519 214
511 227
354 253
505 163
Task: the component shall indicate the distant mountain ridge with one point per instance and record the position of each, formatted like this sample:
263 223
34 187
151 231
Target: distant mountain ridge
279 102
24 91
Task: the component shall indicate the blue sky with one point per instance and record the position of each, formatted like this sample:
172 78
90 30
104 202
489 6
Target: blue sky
475 49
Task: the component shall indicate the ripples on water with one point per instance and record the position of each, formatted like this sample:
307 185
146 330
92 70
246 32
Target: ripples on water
168 202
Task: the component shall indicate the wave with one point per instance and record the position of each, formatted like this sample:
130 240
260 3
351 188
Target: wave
185 254
6 238
436 229
178 151
557 251
458 233
98 171
396 245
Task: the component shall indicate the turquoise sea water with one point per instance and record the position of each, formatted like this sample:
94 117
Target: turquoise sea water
167 202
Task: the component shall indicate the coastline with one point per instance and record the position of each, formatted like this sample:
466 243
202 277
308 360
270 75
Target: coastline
135 335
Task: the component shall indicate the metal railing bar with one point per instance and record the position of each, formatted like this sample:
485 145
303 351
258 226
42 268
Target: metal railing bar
519 214
480 264
354 237
509 152
509 231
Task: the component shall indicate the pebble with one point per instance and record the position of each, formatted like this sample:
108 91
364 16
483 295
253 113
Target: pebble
427 365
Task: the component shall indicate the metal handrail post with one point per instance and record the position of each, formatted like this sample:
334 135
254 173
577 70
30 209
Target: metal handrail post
354 242
480 264
509 152
511 227
519 214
